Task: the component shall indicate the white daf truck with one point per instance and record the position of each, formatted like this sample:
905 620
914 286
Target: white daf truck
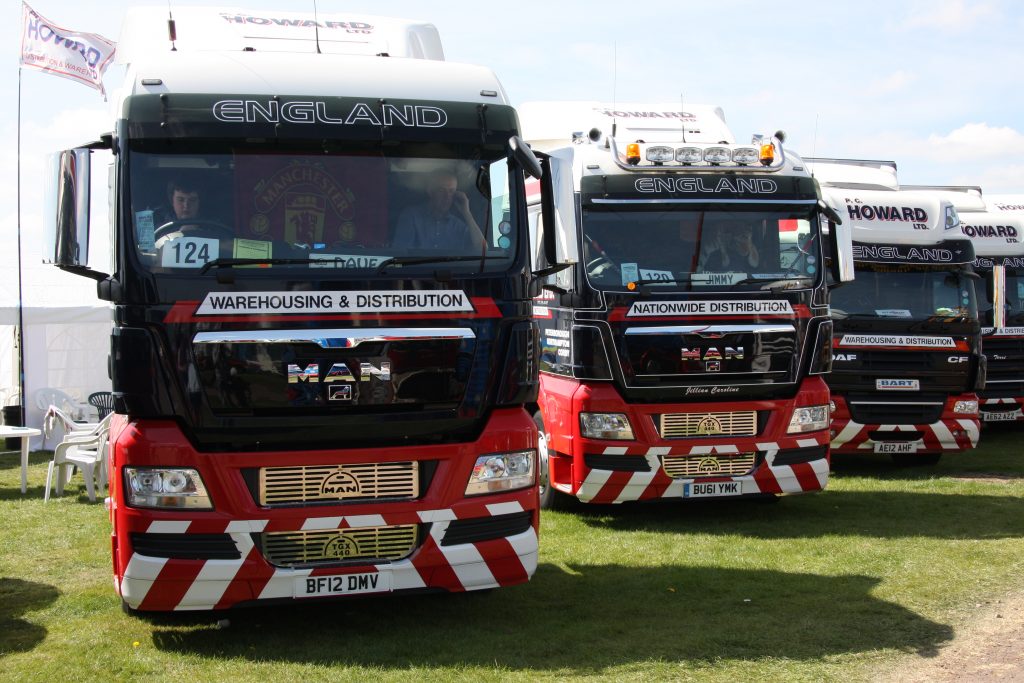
907 360
996 227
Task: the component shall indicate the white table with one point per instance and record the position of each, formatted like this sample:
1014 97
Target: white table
23 433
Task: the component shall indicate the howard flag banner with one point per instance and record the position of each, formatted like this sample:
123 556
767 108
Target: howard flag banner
82 57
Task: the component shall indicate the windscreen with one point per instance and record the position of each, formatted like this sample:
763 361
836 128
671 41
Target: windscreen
699 248
898 292
1014 300
321 209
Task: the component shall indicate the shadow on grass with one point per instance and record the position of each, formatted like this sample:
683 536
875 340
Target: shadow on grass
11 460
17 597
878 514
586 619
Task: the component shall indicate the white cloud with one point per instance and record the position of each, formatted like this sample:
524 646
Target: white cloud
949 15
978 140
997 179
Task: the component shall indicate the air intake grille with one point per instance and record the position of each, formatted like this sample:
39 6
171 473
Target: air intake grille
717 465
894 413
280 486
370 544
684 425
186 546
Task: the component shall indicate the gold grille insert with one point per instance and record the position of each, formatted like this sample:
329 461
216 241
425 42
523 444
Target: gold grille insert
708 465
682 425
379 543
326 483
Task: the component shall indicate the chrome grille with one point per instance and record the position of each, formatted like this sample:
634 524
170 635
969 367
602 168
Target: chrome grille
369 544
327 483
682 425
708 465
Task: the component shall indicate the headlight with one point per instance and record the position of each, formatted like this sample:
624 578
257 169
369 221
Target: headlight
605 426
965 407
808 419
166 487
502 472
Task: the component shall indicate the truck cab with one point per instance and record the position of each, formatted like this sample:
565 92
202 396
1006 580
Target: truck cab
907 360
320 368
997 232
682 350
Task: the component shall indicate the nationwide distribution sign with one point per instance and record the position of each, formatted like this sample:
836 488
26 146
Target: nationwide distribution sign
81 57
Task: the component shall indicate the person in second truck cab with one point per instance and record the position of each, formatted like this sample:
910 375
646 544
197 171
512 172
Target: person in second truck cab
444 221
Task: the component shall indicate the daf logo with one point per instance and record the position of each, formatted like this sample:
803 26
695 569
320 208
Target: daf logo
844 356
341 547
712 353
341 484
709 425
339 372
709 466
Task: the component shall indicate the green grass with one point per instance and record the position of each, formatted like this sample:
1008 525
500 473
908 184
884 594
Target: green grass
840 585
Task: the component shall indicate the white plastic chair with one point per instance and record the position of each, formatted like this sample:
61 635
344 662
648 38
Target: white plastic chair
57 417
78 410
87 452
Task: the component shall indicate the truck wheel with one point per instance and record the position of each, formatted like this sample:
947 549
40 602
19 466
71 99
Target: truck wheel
550 499
915 460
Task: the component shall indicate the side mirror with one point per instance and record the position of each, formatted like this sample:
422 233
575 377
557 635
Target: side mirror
66 209
525 157
840 245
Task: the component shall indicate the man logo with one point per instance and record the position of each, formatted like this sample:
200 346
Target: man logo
709 425
341 547
709 466
340 484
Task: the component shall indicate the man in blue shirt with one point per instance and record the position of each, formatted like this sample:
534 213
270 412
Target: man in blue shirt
443 222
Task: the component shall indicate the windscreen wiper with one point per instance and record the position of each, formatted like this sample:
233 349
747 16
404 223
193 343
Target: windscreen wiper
417 260
654 281
232 262
784 283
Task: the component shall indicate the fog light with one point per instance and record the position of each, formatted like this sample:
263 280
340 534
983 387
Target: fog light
166 487
502 472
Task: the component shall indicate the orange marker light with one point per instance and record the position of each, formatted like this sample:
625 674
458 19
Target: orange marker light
767 154
633 153
631 286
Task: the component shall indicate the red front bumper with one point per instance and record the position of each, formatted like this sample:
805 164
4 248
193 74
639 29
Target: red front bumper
156 581
633 470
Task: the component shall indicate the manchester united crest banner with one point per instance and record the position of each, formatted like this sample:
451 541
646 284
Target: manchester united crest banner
319 202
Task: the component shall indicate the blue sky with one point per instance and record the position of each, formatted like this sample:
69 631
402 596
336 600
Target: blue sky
934 85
